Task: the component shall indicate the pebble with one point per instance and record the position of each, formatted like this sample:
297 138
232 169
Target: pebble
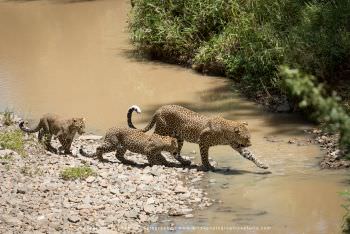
90 179
104 184
73 219
114 191
180 189
149 209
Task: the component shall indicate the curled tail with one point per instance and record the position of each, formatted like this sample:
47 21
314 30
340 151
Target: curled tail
25 129
129 115
138 110
85 154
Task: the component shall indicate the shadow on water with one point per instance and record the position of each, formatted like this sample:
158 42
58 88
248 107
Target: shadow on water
229 171
223 171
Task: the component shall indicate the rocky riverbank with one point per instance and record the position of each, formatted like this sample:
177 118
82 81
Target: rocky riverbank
335 158
114 197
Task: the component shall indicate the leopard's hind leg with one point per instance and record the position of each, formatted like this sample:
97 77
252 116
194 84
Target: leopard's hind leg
120 156
159 159
49 147
100 150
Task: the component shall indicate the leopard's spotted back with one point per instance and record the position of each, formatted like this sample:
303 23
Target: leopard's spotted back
187 125
122 139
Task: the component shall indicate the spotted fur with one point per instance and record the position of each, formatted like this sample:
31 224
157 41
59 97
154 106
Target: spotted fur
64 129
121 139
184 124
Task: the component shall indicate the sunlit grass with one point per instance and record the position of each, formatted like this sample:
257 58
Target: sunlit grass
13 140
74 173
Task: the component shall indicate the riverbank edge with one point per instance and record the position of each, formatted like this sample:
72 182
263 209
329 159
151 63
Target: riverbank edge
116 197
334 157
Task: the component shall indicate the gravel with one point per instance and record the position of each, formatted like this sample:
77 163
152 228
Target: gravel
117 198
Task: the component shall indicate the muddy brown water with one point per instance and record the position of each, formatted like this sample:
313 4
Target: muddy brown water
74 58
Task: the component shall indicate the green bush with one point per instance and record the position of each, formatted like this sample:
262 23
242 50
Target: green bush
325 109
246 40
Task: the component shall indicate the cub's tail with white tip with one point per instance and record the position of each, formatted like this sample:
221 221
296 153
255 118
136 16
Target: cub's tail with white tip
28 130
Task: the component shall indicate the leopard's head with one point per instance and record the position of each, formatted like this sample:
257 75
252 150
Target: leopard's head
238 134
79 125
171 145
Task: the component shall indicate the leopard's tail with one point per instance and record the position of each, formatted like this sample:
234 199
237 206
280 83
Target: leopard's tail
28 130
86 154
150 124
138 110
129 115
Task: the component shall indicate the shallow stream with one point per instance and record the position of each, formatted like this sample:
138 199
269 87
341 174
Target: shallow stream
74 58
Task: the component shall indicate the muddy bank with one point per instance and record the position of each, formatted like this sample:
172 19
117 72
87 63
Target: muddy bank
115 197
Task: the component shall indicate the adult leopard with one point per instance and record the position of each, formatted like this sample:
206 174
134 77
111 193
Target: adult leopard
184 124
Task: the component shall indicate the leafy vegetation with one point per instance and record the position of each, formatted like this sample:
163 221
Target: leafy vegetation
74 173
13 140
325 109
249 40
246 40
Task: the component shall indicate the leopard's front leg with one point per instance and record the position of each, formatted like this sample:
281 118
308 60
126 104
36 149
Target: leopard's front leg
204 145
178 156
103 149
250 156
204 149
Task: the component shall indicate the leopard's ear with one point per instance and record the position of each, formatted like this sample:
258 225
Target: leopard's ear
245 123
236 129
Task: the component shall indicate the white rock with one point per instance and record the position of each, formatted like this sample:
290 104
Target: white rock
150 200
90 179
149 209
180 189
